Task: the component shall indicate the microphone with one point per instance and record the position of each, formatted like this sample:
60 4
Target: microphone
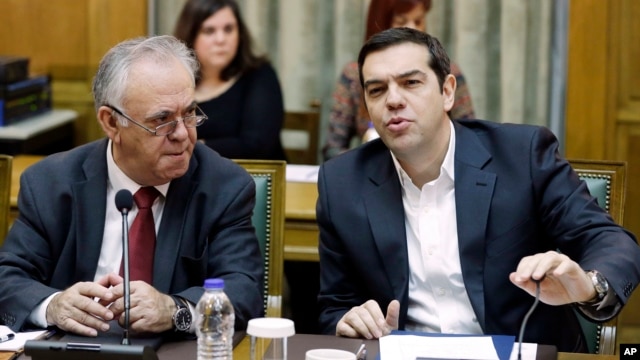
124 203
526 317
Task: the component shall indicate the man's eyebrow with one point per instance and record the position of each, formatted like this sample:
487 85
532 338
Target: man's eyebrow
409 74
372 81
403 75
165 113
192 106
159 114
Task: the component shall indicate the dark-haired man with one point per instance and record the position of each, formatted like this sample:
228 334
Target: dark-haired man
446 226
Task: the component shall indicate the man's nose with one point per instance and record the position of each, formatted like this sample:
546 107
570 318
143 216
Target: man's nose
180 132
395 99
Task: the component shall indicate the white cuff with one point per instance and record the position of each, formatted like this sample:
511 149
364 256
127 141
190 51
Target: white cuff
38 316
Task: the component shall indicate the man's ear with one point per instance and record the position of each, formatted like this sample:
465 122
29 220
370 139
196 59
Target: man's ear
108 121
449 92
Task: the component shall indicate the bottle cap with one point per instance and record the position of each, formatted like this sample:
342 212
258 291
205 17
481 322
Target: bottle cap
214 284
271 327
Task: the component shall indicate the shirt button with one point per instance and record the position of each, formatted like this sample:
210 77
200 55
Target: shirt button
441 291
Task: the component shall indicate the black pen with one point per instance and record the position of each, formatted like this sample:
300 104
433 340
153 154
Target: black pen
7 337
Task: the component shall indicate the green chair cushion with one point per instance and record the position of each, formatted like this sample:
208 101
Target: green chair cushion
599 187
261 212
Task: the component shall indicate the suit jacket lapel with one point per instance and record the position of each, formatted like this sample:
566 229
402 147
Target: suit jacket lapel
171 229
474 190
89 205
383 202
89 199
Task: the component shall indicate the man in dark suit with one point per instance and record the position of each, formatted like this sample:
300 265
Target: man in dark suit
61 260
447 226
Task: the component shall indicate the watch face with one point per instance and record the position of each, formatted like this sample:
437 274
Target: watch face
601 285
182 319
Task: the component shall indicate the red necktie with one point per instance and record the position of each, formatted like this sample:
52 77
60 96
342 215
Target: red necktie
142 236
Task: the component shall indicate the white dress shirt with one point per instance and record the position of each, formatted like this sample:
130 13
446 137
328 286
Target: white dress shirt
111 249
438 300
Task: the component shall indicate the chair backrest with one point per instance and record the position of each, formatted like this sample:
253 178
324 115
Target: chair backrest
299 137
268 219
606 181
5 194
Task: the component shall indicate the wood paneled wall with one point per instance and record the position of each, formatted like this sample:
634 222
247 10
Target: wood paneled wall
67 39
603 97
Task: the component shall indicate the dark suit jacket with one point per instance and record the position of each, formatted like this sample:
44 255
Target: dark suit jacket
205 232
514 197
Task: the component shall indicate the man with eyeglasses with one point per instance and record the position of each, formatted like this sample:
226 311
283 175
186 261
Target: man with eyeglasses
62 260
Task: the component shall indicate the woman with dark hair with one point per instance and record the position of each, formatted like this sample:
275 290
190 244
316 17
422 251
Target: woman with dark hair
237 89
349 118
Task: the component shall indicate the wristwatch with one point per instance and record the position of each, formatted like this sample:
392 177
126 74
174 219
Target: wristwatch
600 284
182 317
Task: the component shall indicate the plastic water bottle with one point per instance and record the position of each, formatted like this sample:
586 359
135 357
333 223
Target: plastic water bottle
214 322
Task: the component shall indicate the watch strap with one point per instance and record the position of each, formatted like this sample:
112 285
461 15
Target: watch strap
180 302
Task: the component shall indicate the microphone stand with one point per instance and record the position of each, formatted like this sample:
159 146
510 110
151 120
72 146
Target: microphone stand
125 261
526 317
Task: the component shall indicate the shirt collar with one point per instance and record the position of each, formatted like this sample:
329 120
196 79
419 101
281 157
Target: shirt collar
447 167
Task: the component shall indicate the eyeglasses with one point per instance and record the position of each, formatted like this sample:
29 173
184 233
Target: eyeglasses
189 121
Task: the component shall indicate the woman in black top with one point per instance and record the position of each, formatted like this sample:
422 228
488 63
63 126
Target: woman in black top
237 89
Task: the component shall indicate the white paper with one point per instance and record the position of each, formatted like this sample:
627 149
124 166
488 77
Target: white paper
18 342
410 347
529 351
302 173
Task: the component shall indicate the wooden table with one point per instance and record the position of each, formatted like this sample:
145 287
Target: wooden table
242 351
300 228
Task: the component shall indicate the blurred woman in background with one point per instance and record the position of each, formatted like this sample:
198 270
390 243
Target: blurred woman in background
237 89
349 119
